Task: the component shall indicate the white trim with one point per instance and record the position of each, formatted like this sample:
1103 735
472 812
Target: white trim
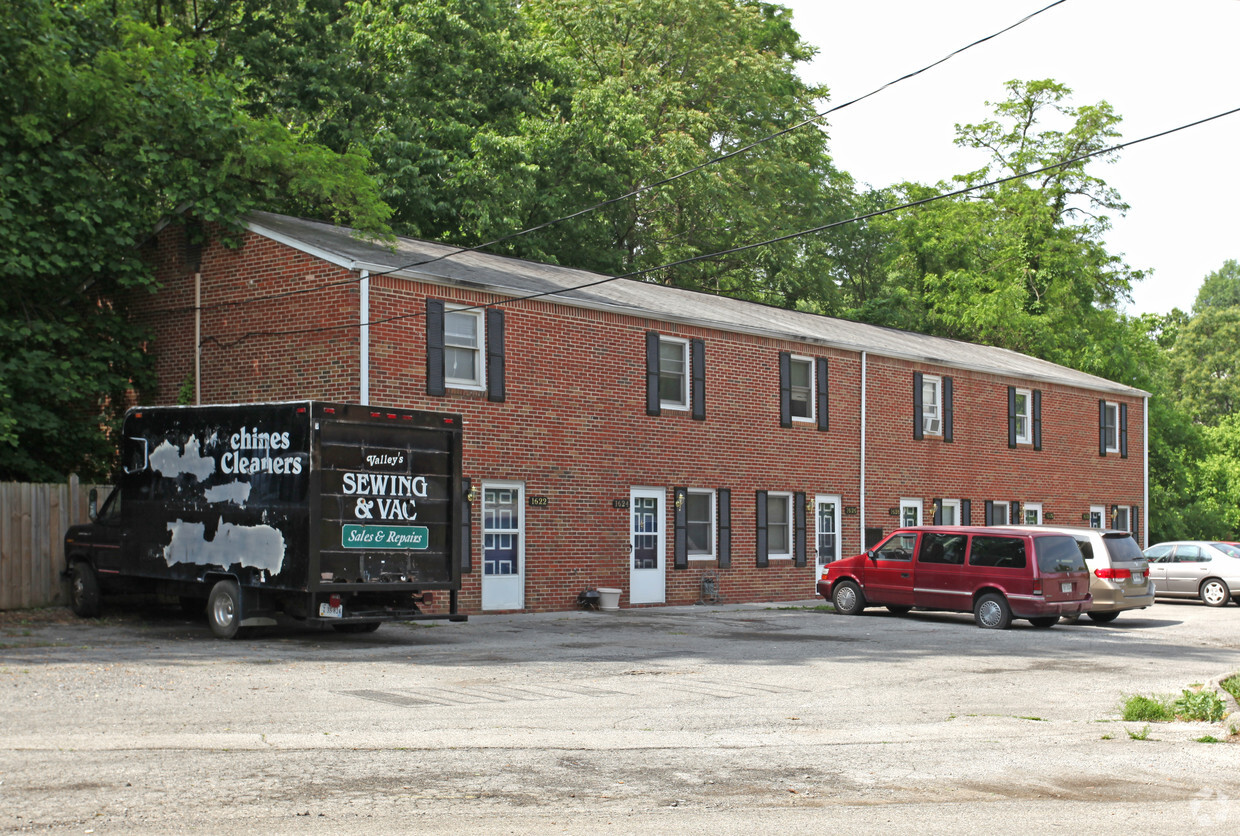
788 521
686 375
714 525
1145 455
950 503
861 519
363 337
517 580
1007 513
1111 405
836 500
1026 507
1027 436
1101 511
938 404
911 502
813 388
478 384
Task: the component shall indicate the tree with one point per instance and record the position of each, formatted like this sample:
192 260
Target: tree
114 124
1220 289
1205 365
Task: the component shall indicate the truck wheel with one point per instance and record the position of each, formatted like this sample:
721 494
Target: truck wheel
224 610
83 590
992 612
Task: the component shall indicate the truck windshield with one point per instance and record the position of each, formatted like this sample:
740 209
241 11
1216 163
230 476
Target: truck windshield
1058 554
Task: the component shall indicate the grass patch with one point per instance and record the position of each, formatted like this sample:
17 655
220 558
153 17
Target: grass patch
1209 738
1139 709
1201 706
1108 737
1143 734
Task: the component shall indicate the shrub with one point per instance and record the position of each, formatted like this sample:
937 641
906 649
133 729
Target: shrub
1139 709
1206 706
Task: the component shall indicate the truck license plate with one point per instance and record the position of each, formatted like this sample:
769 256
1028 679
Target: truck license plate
1065 587
328 611
1138 577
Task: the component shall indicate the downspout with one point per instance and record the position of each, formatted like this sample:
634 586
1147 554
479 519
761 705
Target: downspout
198 338
363 336
863 374
1145 450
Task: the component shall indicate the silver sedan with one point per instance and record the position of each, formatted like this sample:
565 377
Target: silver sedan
1204 569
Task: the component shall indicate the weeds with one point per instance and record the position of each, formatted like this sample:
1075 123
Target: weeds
1139 709
1209 738
1232 685
1144 734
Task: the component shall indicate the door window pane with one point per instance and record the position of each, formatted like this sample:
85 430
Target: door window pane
645 533
500 531
828 540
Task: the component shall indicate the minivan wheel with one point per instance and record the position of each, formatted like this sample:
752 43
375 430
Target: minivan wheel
848 598
1214 593
83 590
224 610
992 612
1103 617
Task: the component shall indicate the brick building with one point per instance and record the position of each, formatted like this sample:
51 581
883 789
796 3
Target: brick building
648 438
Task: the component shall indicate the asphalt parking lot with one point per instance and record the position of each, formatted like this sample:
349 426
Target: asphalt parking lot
721 719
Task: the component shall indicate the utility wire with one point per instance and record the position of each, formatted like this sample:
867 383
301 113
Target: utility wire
641 189
704 257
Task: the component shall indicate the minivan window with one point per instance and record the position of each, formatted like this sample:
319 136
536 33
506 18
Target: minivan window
1000 552
942 548
1121 547
897 547
1058 554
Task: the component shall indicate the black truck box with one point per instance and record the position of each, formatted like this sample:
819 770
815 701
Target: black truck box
336 513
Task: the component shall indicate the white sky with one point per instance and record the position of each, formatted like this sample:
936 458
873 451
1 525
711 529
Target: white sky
1159 63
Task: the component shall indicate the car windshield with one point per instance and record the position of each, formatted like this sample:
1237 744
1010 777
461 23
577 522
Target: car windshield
1122 547
1058 554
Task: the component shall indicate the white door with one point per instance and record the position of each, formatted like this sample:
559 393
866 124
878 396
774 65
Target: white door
503 546
648 559
827 532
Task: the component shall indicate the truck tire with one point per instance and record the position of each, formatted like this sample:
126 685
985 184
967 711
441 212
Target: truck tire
84 590
224 610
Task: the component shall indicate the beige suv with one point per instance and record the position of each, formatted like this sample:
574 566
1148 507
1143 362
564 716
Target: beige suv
1119 573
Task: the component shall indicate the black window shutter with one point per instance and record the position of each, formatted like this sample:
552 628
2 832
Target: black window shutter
917 430
495 355
680 539
1123 431
1134 522
824 398
990 512
966 512
434 347
1114 517
652 373
1014 513
725 527
467 526
947 410
798 526
1102 428
697 367
1037 419
938 511
1011 416
785 389
760 529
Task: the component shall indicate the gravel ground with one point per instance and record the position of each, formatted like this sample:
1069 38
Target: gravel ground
721 718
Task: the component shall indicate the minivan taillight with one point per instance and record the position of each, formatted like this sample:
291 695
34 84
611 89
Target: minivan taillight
1113 574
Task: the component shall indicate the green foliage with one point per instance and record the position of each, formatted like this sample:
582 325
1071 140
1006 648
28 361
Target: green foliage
1142 734
1205 364
1141 709
1199 706
1232 685
1220 289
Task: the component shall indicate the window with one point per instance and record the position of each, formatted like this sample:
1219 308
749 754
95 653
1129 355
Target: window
1058 554
779 525
700 524
996 512
673 373
1120 518
1024 427
1032 513
897 547
931 406
910 512
949 512
801 386
1109 416
1000 552
1097 516
942 548
462 343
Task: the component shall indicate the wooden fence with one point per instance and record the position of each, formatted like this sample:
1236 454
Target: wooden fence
33 520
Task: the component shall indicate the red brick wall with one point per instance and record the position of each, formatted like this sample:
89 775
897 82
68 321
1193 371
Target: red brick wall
574 427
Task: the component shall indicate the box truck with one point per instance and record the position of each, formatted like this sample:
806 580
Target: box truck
338 514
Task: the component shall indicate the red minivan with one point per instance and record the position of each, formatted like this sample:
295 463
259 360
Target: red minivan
995 573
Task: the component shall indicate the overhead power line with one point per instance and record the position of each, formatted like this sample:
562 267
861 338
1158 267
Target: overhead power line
641 189
707 256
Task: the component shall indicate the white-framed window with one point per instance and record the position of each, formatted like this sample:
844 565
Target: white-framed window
910 512
949 512
463 341
1024 427
801 388
673 373
1110 426
779 526
931 405
998 512
1031 513
700 524
1121 518
1097 516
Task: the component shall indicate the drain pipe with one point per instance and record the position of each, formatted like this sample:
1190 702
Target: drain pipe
363 336
198 338
862 481
1145 448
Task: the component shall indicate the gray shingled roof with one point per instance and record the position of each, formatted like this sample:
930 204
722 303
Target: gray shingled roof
515 277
